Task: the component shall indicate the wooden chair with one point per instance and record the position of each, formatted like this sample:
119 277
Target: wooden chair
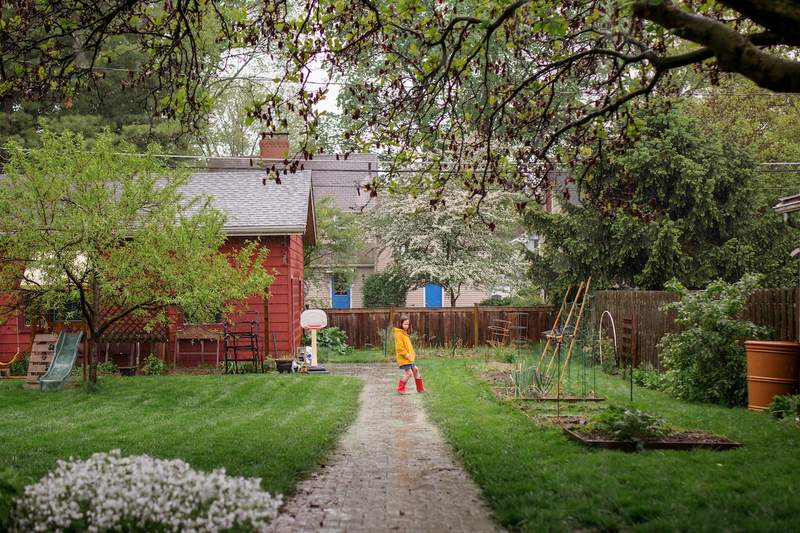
498 332
240 344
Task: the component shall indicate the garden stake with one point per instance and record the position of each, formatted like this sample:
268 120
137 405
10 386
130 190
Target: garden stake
583 371
631 377
555 328
558 383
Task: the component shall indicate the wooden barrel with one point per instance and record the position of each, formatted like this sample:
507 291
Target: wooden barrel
773 368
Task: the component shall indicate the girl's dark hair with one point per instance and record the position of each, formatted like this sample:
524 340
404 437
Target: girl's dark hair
400 321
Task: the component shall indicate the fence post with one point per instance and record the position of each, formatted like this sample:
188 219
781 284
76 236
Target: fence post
446 329
475 331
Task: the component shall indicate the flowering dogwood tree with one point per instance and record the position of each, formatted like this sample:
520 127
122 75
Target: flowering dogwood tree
441 245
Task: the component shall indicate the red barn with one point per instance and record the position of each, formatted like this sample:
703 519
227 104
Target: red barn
280 216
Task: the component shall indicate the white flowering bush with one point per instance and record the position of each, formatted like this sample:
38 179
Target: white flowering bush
109 492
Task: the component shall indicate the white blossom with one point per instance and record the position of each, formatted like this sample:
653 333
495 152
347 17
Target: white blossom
437 244
140 493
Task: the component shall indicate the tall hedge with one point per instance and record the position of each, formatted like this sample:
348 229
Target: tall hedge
385 289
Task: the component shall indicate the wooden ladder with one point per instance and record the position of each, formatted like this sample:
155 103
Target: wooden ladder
42 353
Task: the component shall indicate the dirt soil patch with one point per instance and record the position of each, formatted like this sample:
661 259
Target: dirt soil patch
570 421
498 374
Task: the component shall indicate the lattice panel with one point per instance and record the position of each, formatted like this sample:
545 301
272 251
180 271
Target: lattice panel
132 329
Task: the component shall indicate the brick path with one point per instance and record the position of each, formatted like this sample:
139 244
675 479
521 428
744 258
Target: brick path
392 471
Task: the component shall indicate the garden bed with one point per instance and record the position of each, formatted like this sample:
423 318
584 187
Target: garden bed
504 393
679 440
498 374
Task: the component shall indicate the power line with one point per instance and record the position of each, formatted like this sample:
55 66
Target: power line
278 80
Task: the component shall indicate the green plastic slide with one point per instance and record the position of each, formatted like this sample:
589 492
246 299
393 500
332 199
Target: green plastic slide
66 352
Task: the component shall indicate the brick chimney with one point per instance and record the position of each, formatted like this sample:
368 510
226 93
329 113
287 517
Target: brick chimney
274 146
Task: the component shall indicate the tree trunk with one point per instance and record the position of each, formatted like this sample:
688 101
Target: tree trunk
453 298
93 327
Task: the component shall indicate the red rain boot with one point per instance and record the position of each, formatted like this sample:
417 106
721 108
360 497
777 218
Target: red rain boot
401 387
420 386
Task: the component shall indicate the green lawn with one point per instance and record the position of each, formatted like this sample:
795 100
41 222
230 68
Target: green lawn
276 427
535 479
375 354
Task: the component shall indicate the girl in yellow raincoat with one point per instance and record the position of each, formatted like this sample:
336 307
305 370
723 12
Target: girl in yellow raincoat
404 352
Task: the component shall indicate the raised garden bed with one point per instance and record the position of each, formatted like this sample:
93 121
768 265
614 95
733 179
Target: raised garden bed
679 440
504 393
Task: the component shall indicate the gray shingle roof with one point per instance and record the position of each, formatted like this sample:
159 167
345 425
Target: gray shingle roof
337 178
788 204
340 179
252 206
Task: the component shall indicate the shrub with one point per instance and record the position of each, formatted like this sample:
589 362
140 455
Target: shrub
109 492
385 289
630 424
785 407
525 297
495 300
650 378
334 339
706 361
107 368
20 366
153 366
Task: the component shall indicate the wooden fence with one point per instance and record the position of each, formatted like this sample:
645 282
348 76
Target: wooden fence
468 326
773 308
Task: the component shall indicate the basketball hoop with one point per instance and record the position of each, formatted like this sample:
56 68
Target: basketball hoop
313 320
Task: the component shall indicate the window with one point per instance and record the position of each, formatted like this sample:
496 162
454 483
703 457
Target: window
69 312
340 292
340 285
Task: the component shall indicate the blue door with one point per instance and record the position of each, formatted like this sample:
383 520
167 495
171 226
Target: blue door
433 295
340 293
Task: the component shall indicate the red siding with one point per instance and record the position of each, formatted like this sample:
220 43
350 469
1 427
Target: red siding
285 262
296 273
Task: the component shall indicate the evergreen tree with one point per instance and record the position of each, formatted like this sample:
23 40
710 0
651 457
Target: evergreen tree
678 203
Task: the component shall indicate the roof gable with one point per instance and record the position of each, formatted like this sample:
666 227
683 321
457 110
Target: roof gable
254 203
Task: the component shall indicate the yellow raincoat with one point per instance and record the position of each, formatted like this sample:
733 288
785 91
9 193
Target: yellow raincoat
404 352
